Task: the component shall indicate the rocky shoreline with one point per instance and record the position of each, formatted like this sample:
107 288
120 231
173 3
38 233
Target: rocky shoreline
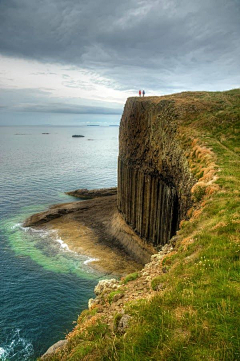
95 228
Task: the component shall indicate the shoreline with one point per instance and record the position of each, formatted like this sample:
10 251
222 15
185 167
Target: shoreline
95 228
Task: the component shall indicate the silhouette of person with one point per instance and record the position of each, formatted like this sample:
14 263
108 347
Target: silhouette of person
140 93
143 92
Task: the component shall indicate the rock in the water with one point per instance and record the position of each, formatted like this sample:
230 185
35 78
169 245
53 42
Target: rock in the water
77 136
92 193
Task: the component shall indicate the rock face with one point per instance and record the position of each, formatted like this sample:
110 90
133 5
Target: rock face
154 180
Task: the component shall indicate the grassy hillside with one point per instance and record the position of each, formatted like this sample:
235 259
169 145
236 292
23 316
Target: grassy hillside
185 304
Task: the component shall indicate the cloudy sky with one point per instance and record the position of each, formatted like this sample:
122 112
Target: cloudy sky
70 61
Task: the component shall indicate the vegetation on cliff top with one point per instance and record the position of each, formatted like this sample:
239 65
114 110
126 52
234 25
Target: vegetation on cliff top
190 310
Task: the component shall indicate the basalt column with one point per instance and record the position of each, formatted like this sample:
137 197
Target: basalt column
153 178
148 204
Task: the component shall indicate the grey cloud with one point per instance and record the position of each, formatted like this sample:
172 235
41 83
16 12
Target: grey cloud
44 73
32 100
78 85
68 109
12 97
159 44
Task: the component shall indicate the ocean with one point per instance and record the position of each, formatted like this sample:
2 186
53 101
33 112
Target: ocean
43 285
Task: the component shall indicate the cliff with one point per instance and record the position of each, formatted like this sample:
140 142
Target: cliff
178 173
154 179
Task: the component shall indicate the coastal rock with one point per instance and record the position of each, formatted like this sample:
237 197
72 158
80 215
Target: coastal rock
59 210
106 286
93 193
54 347
53 212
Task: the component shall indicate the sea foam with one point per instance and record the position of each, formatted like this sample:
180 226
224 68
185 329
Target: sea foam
63 245
89 260
17 348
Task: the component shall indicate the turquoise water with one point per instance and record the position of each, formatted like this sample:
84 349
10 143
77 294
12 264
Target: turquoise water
43 285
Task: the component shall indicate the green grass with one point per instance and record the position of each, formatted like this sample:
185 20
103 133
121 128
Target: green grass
195 313
113 294
157 283
130 277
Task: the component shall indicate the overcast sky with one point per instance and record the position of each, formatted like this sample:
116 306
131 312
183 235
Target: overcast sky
72 60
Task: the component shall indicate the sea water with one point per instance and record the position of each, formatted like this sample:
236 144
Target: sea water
43 285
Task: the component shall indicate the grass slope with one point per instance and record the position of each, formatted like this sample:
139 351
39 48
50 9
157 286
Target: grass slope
195 313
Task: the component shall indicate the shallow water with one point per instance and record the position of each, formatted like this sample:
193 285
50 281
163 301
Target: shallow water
44 286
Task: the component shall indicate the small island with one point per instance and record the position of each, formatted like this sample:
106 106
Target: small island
77 136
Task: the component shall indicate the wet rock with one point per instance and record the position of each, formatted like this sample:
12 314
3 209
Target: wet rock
93 193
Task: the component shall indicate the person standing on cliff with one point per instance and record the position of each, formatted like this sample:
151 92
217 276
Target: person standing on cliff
140 93
143 93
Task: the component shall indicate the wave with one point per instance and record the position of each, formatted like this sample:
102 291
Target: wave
20 226
17 225
63 245
47 246
89 260
43 234
16 348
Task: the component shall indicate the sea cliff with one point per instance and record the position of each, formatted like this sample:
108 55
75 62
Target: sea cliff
178 190
154 178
